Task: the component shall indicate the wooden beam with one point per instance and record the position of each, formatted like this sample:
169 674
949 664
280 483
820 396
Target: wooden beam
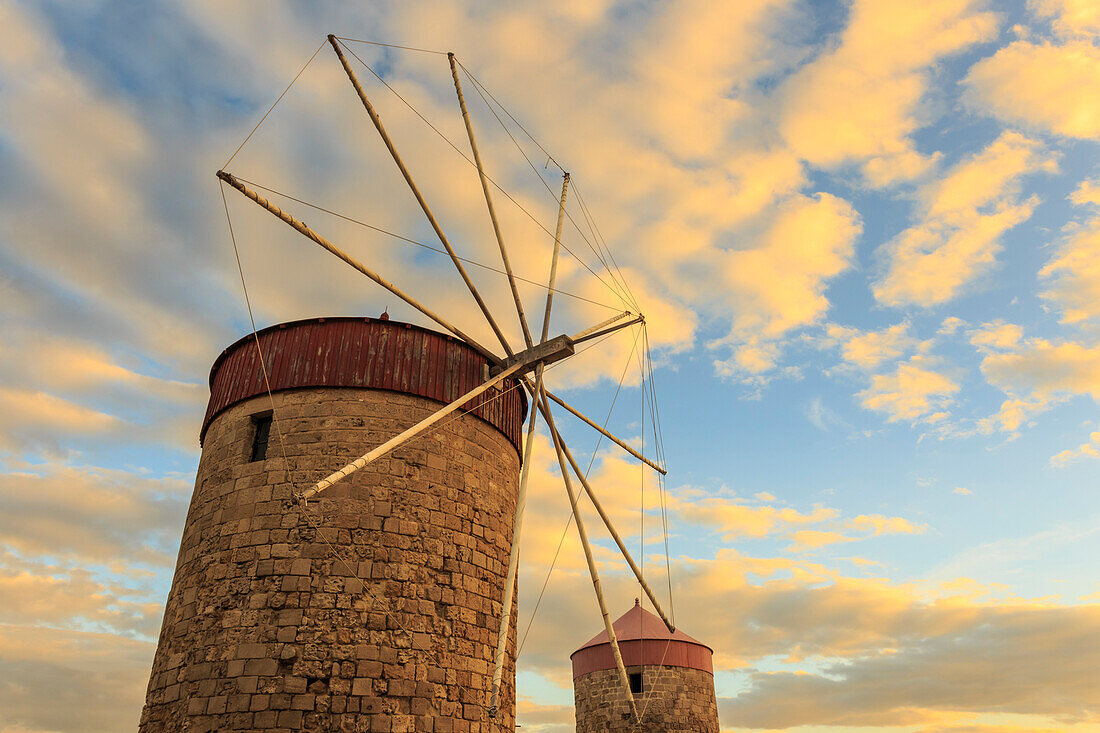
583 334
554 259
603 515
376 453
416 193
489 203
547 352
610 436
302 228
513 560
595 333
615 652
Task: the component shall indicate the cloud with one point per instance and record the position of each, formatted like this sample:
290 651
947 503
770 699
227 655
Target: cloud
734 521
1050 87
1028 656
87 171
950 325
961 491
38 593
913 393
858 651
859 102
1090 449
963 216
1087 193
869 349
781 285
97 515
1073 274
46 674
1036 375
1070 18
533 716
996 336
1015 412
1044 368
877 524
821 416
33 420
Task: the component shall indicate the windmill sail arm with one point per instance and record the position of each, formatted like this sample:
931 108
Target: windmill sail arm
306 231
416 193
603 431
544 407
559 449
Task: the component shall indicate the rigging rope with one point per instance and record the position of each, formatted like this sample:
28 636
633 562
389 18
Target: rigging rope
270 109
407 240
569 519
592 230
391 45
598 245
478 88
598 236
472 163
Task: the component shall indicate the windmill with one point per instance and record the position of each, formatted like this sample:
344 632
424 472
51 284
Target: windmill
523 364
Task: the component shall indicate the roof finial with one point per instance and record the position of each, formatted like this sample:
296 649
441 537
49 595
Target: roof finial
385 315
637 602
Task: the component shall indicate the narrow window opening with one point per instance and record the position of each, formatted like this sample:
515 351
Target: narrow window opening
635 682
260 437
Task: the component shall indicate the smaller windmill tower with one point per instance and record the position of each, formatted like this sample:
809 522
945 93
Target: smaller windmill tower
671 680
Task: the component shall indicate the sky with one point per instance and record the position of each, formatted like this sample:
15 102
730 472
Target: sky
865 236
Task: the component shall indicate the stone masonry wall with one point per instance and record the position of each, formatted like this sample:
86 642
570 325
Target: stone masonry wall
265 629
673 700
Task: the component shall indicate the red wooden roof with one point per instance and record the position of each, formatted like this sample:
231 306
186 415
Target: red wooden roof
644 640
365 353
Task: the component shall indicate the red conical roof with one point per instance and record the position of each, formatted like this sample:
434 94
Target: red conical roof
644 640
638 623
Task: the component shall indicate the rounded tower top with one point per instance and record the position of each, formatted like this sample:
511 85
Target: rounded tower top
364 353
644 640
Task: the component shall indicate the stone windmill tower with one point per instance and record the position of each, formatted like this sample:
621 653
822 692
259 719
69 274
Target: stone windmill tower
349 556
671 680
379 603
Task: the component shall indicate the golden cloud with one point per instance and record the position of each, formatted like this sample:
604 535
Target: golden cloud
1090 449
1069 17
1046 368
858 103
46 674
964 216
914 392
996 335
1051 87
1073 274
869 349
